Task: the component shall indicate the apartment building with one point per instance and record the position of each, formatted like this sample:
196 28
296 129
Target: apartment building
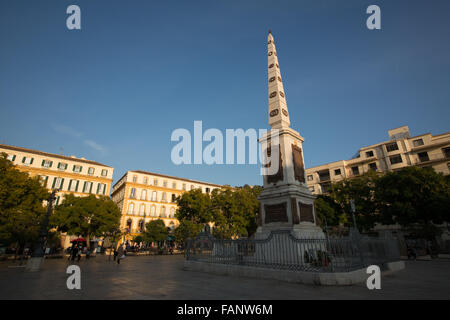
67 174
400 151
144 196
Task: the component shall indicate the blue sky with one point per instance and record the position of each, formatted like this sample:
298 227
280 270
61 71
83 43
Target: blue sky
114 91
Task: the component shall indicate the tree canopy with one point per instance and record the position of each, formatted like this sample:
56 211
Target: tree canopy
86 216
155 231
21 204
233 211
409 197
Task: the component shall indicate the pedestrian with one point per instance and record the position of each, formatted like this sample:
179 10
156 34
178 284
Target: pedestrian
120 254
115 254
79 253
74 252
88 253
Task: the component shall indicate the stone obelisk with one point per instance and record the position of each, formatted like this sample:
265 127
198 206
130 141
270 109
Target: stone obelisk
285 203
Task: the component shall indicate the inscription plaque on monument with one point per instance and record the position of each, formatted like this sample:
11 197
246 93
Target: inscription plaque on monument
275 213
306 212
279 175
299 170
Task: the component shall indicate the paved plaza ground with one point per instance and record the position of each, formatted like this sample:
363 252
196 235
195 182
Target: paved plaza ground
162 277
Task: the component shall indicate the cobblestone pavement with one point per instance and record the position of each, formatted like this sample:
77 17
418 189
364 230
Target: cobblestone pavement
162 277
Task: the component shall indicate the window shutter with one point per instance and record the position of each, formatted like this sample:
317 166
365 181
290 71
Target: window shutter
23 159
76 187
31 162
70 184
51 163
65 166
104 188
43 161
62 184
54 182
98 187
90 189
81 168
73 169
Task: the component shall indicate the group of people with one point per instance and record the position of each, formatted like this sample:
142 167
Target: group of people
77 250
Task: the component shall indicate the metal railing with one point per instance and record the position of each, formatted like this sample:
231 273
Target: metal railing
281 250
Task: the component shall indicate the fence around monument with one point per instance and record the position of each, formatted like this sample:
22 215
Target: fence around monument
281 250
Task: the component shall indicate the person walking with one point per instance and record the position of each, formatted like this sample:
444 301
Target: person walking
120 254
79 253
74 252
115 254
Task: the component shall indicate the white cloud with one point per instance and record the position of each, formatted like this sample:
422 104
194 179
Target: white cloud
66 130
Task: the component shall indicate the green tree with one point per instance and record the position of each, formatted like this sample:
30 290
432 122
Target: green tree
413 195
194 206
327 208
235 211
86 216
187 229
362 190
21 205
155 231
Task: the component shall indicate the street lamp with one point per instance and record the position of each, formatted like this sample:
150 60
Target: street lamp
38 251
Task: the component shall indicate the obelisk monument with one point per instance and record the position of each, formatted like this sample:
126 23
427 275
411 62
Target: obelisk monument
285 203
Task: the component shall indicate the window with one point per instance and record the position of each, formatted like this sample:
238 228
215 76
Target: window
192 187
58 183
131 208
172 212
144 195
309 177
373 166
141 225
207 190
44 180
154 196
392 146
47 163
155 182
418 142
163 212
142 211
104 173
62 166
145 180
91 171
73 185
395 159
355 170
11 157
184 186
174 185
337 172
446 152
152 211
134 179
369 154
129 224
77 169
165 184
101 187
87 188
174 197
133 193
163 197
423 156
27 161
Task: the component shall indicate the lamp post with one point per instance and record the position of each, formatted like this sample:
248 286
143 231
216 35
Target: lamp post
37 256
